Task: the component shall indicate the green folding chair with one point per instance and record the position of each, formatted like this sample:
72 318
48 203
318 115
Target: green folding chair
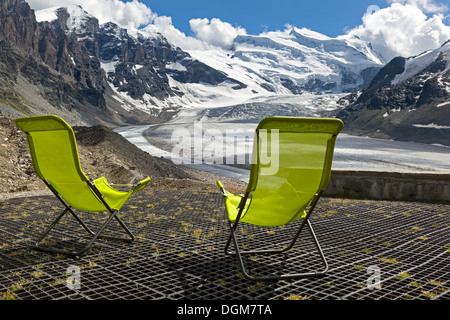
55 158
286 188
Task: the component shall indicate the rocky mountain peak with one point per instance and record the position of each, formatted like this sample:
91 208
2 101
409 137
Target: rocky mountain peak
93 69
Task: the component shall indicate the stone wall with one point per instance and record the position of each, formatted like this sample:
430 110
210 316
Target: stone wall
401 186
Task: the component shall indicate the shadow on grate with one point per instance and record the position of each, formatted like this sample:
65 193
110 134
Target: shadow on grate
375 250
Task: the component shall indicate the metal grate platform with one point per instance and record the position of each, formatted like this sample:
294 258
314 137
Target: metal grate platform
178 252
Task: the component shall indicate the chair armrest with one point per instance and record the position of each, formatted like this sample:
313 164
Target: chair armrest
141 184
222 189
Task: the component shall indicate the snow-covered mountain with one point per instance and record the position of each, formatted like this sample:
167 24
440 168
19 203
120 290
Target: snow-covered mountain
285 63
408 99
300 60
142 73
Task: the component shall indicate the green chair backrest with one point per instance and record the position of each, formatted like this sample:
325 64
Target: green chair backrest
300 151
55 158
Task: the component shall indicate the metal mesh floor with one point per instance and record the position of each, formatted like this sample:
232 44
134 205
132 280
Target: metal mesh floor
178 252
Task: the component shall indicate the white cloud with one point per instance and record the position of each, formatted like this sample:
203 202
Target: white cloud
128 15
404 29
163 25
427 6
215 32
209 34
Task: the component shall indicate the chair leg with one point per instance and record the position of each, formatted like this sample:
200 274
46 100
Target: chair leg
91 241
113 215
239 253
246 274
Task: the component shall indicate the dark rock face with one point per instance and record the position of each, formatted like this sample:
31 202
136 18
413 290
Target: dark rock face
18 26
47 57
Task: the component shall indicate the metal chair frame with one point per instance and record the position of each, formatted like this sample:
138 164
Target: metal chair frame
95 235
305 222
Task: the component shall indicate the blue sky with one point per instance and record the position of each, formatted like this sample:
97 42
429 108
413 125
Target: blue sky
330 17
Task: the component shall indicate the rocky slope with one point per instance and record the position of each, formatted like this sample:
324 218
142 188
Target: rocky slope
102 153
